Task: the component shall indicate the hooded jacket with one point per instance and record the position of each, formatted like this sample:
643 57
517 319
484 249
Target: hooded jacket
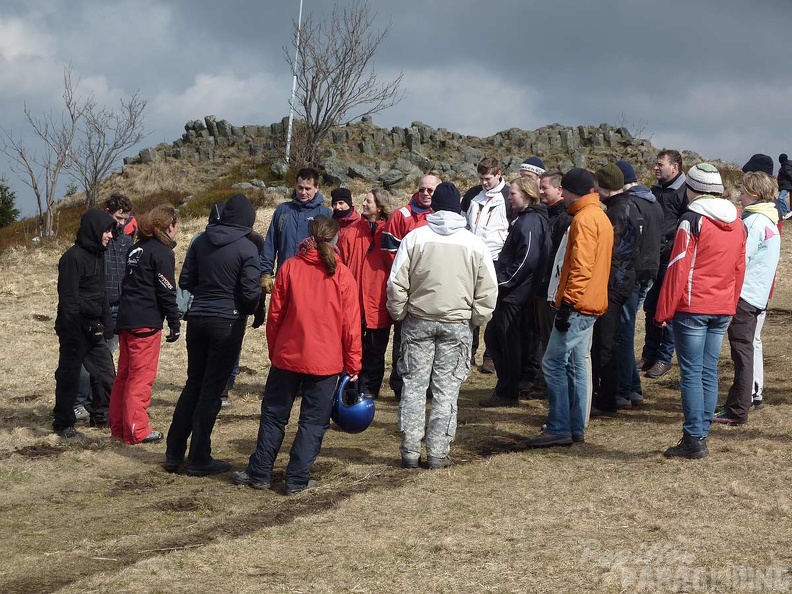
583 283
352 217
762 252
401 222
360 247
221 268
648 262
289 226
522 264
673 198
785 176
627 227
487 218
707 266
82 297
313 325
444 273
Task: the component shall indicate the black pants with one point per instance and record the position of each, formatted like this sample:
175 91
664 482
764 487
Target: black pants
395 381
279 394
212 348
604 363
531 345
504 343
78 349
741 341
375 345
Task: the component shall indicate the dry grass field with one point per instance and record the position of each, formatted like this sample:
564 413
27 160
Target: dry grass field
610 515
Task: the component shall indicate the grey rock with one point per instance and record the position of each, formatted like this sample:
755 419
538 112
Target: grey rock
243 186
580 160
254 150
366 119
258 183
392 177
361 172
211 125
205 153
335 172
279 168
148 155
418 160
414 139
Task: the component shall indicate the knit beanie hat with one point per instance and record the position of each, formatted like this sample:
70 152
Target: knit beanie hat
341 194
578 181
704 179
759 162
628 172
782 158
534 165
447 197
610 177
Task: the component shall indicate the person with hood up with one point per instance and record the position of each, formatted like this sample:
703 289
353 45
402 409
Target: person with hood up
222 272
520 270
83 324
343 209
442 284
148 296
784 185
313 335
360 248
699 296
289 225
762 252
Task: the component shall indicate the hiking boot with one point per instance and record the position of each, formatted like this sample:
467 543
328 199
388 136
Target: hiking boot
212 467
757 404
659 369
694 448
69 433
487 366
548 440
645 364
637 399
171 466
410 462
294 489
578 438
241 477
152 437
435 463
81 413
623 403
495 401
723 418
597 413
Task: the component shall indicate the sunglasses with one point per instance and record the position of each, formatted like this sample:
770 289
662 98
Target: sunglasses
429 191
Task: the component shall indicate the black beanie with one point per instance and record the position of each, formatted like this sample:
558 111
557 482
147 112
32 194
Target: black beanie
782 158
341 194
447 197
759 162
578 181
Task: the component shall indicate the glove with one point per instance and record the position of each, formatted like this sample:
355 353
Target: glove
562 317
96 331
109 333
267 282
173 335
260 315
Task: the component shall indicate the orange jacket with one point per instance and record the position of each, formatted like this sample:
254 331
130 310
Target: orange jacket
313 325
361 251
584 275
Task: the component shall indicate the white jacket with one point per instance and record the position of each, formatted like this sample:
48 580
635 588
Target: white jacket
486 218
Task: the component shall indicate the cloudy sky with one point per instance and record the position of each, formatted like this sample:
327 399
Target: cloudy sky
714 76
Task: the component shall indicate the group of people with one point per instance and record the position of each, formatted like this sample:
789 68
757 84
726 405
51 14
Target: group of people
556 266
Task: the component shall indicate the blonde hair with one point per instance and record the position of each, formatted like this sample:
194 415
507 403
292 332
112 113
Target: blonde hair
385 201
323 230
529 188
760 185
155 223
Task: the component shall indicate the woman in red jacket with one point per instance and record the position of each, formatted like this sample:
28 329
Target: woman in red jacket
313 334
360 247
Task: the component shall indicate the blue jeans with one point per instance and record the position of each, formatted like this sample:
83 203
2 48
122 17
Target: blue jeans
659 342
564 367
698 344
783 206
629 380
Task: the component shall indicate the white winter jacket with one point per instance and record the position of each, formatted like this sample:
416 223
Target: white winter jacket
486 218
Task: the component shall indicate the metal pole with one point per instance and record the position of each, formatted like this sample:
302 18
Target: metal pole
294 86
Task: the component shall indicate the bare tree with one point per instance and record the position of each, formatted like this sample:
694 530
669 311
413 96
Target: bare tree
41 171
103 136
333 67
637 129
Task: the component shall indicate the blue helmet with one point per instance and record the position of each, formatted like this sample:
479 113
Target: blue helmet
352 415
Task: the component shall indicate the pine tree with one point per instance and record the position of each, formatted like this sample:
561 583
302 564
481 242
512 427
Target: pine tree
8 214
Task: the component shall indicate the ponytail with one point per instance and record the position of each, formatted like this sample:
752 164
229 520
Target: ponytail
323 231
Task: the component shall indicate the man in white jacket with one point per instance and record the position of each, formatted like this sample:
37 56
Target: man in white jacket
442 284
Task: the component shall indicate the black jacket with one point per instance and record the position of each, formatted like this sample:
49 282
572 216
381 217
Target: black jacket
559 223
673 198
785 176
222 268
82 300
522 262
651 235
149 290
627 225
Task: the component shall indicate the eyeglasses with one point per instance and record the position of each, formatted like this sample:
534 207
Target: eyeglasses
429 191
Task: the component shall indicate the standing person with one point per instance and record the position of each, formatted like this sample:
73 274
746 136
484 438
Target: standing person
360 248
222 272
784 184
313 334
700 294
520 270
581 297
83 324
670 193
148 297
762 252
290 222
401 222
442 284
343 209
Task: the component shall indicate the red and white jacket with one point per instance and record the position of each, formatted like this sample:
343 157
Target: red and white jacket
707 265
313 325
401 222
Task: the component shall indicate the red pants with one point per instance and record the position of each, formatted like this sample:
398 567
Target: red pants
131 396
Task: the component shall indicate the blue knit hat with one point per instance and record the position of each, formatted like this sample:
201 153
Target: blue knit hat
628 172
534 165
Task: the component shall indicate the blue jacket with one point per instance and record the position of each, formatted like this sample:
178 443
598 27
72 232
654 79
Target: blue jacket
762 252
288 228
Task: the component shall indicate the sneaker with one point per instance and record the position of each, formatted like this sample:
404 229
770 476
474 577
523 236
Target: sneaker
224 403
241 477
693 448
787 215
437 463
495 401
294 489
659 369
212 467
69 433
623 403
596 413
487 366
81 413
637 399
410 462
756 405
723 418
547 440
152 437
645 364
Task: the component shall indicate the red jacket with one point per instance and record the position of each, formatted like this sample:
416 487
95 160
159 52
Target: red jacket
401 222
707 265
360 249
349 220
313 325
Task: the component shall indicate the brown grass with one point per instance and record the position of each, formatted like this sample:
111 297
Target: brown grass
99 516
